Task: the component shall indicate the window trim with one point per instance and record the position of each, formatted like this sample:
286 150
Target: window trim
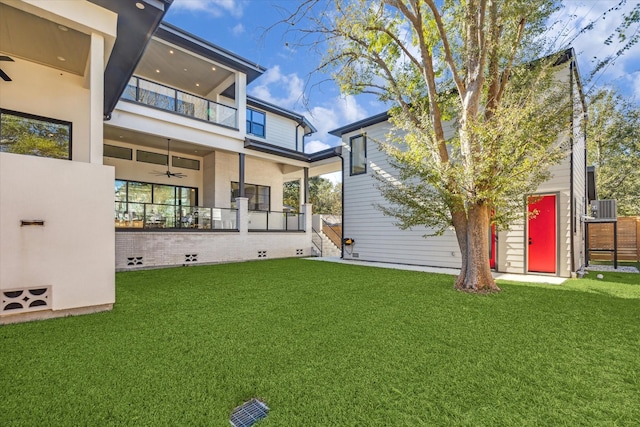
43 119
264 133
364 148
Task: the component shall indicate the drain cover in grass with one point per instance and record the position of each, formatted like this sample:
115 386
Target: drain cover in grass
248 413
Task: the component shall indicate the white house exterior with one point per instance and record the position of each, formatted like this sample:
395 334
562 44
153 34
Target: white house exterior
103 89
552 243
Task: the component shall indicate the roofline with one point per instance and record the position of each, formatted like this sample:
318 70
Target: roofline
361 124
180 37
265 147
299 118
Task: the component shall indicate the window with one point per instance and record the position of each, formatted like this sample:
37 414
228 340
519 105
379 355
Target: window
181 162
256 122
117 152
358 154
259 196
134 199
149 157
22 133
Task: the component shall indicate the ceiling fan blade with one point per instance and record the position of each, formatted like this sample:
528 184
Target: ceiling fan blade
4 76
6 58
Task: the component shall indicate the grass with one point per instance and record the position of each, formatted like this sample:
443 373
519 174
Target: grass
330 345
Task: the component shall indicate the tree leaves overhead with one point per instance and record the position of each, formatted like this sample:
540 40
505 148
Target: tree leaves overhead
614 148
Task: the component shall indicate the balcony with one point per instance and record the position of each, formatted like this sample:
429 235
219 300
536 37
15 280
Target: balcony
169 99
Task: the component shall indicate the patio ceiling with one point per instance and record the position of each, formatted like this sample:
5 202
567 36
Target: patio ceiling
32 38
153 141
174 67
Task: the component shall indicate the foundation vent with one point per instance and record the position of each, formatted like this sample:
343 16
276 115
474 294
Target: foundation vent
134 260
299 251
191 258
25 300
262 254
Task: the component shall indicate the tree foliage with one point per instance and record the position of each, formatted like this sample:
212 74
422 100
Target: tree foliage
21 135
613 141
475 128
324 195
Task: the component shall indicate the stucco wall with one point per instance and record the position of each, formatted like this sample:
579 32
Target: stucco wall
74 251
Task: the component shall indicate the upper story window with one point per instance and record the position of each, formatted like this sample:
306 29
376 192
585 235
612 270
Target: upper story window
256 122
358 160
22 133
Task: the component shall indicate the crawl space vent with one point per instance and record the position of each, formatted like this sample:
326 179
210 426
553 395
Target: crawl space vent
191 258
135 260
299 251
249 413
262 254
23 300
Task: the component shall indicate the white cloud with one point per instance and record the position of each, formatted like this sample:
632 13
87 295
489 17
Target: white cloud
590 45
216 8
315 145
283 90
237 30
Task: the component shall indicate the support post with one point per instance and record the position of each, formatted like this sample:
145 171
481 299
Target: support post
306 186
615 245
241 175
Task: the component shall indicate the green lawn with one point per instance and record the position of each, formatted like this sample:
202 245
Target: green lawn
325 344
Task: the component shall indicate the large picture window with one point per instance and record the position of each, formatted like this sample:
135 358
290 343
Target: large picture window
22 133
358 146
158 202
259 196
256 122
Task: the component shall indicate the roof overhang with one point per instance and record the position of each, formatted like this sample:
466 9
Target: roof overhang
318 156
137 21
360 124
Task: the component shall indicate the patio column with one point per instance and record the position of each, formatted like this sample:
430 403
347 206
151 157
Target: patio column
241 174
307 210
306 186
242 204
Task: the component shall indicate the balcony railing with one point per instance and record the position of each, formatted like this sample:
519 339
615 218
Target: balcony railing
170 99
158 216
275 221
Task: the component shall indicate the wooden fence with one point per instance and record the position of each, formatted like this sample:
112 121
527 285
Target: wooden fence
601 237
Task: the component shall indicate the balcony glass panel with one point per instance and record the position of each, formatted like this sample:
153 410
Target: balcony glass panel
167 98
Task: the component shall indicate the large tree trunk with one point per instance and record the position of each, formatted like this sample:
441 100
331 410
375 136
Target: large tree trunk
475 274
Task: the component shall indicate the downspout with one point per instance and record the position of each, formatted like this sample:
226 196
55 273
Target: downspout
297 126
572 197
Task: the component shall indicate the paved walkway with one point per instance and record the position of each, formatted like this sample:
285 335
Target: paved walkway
529 278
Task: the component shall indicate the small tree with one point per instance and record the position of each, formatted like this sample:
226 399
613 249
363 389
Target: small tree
613 136
455 62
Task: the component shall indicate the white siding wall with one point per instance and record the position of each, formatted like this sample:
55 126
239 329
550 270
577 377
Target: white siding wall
376 236
279 131
579 176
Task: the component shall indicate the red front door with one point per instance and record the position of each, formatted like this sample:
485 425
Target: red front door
542 234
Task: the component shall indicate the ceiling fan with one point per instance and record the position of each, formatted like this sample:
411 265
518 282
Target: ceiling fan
168 172
4 75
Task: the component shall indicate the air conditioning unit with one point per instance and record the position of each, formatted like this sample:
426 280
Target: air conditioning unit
604 209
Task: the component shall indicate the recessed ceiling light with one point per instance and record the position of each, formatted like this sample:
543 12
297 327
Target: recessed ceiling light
121 136
61 58
213 68
140 5
157 71
62 28
171 52
197 84
185 69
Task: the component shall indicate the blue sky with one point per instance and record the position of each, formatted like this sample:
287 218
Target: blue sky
239 26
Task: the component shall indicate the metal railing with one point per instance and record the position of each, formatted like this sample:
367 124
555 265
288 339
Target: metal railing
316 240
334 236
159 216
276 221
171 99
